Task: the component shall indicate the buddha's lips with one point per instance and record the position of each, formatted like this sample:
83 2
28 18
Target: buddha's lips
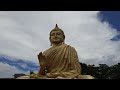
56 38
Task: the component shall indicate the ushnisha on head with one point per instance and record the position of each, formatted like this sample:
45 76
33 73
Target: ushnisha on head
57 36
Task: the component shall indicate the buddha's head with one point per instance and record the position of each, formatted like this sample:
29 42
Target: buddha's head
57 36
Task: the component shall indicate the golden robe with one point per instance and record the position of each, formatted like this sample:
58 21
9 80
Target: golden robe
62 63
62 58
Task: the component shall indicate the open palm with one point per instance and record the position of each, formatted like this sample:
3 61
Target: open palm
42 59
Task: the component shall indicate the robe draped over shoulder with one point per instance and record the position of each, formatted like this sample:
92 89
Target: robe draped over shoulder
62 58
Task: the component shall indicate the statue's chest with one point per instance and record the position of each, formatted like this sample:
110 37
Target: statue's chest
52 51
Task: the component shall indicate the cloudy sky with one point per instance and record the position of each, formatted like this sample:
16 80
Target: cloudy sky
23 34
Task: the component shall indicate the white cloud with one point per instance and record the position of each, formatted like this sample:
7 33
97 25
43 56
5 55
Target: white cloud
25 34
7 71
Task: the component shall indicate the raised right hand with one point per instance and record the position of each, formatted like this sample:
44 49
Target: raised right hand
42 59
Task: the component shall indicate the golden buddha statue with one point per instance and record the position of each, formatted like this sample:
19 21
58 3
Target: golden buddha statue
60 57
60 61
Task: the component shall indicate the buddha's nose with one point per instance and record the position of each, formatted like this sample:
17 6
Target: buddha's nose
55 35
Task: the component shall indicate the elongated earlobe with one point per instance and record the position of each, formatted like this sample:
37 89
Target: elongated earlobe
63 42
50 44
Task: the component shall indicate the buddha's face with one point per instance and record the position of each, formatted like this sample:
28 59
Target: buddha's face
56 37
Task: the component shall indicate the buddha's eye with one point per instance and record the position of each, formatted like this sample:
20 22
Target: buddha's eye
58 33
52 34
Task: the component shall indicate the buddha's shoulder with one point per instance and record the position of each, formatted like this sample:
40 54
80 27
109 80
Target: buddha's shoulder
47 50
69 46
62 46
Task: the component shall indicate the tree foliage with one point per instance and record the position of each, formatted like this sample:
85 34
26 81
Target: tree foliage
102 71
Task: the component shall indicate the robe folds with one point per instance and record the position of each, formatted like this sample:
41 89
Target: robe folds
62 58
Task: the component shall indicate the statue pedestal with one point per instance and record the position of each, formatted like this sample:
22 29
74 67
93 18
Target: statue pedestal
58 77
85 77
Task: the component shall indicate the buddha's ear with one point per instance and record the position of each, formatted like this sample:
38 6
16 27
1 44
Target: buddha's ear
64 42
50 41
63 39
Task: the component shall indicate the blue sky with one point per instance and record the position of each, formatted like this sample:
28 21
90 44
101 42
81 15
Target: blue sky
113 17
23 34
